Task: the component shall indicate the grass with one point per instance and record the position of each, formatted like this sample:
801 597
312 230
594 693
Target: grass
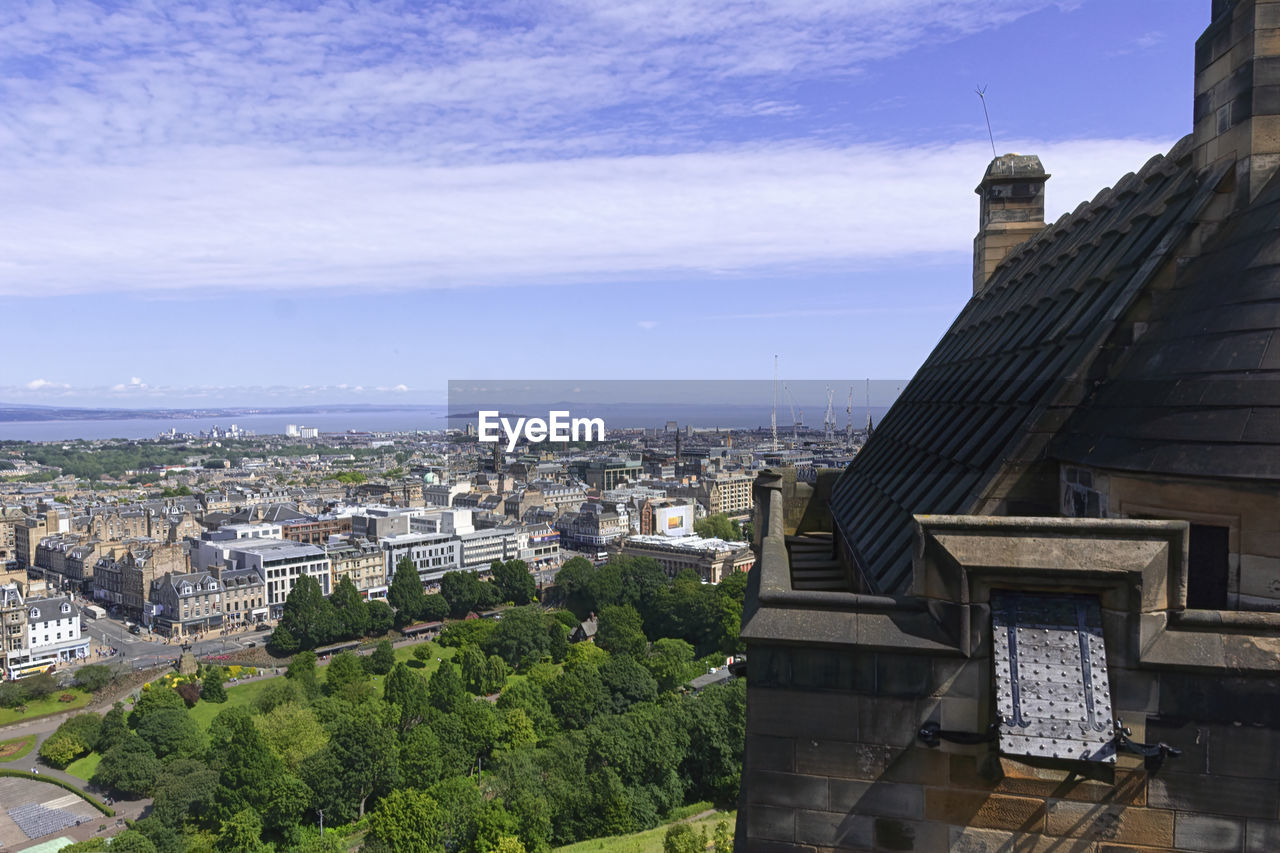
241 695
649 841
15 748
45 707
82 768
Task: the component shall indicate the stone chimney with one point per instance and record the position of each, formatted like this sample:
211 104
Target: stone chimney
1012 211
1237 104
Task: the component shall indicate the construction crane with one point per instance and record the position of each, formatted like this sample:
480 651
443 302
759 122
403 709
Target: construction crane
797 417
848 426
773 417
829 422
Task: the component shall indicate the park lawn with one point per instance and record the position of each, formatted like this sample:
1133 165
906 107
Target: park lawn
242 695
15 748
45 707
82 768
238 695
649 841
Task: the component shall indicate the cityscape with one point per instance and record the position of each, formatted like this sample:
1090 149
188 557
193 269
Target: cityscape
556 427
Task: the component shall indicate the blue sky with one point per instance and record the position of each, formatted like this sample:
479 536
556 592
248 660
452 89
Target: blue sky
228 203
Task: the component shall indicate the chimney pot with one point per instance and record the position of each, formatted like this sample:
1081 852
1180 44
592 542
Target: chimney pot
1010 213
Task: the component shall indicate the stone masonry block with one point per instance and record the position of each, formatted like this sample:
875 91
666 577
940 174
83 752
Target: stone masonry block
1191 738
1105 822
1261 836
772 824
786 789
895 834
842 759
834 829
1214 795
775 753
920 765
892 722
987 811
1245 751
966 839
796 713
885 799
907 676
1209 834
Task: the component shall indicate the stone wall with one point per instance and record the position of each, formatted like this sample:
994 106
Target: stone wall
840 684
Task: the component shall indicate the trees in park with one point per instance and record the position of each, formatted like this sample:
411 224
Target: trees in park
405 592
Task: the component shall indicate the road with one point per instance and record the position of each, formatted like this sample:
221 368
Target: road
140 651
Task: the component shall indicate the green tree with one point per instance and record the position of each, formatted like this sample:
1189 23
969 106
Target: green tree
345 677
172 733
93 677
61 749
302 671
723 837
247 768
420 763
718 526
381 617
132 841
129 767
513 581
495 675
277 692
283 642
408 821
308 617
407 691
680 838
155 698
730 594
241 834
405 592
363 755
670 662
621 632
574 582
520 637
114 728
434 608
445 689
292 733
185 787
350 610
471 661
382 659
463 591
628 682
211 689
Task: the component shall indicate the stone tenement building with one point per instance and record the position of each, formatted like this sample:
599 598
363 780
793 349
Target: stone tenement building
1041 609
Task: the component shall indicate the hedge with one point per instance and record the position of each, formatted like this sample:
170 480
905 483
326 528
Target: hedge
88 798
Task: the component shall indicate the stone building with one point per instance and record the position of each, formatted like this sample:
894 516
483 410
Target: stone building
185 604
362 562
712 559
244 600
1041 609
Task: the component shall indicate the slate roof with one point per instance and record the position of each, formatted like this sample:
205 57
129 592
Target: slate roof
1198 394
48 609
1016 348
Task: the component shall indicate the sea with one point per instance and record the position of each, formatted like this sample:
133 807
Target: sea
617 416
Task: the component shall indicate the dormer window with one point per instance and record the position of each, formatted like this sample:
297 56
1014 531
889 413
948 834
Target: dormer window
213 585
186 589
66 608
35 614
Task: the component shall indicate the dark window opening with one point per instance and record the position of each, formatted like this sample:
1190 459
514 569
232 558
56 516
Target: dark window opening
1208 564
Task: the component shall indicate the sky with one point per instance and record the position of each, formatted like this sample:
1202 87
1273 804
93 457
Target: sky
207 203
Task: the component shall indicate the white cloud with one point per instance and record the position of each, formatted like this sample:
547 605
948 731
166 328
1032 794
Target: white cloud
431 81
255 227
44 384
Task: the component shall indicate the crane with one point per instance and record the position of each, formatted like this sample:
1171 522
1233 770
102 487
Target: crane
773 417
829 422
848 427
797 418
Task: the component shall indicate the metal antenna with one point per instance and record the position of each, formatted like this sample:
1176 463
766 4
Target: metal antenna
982 96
